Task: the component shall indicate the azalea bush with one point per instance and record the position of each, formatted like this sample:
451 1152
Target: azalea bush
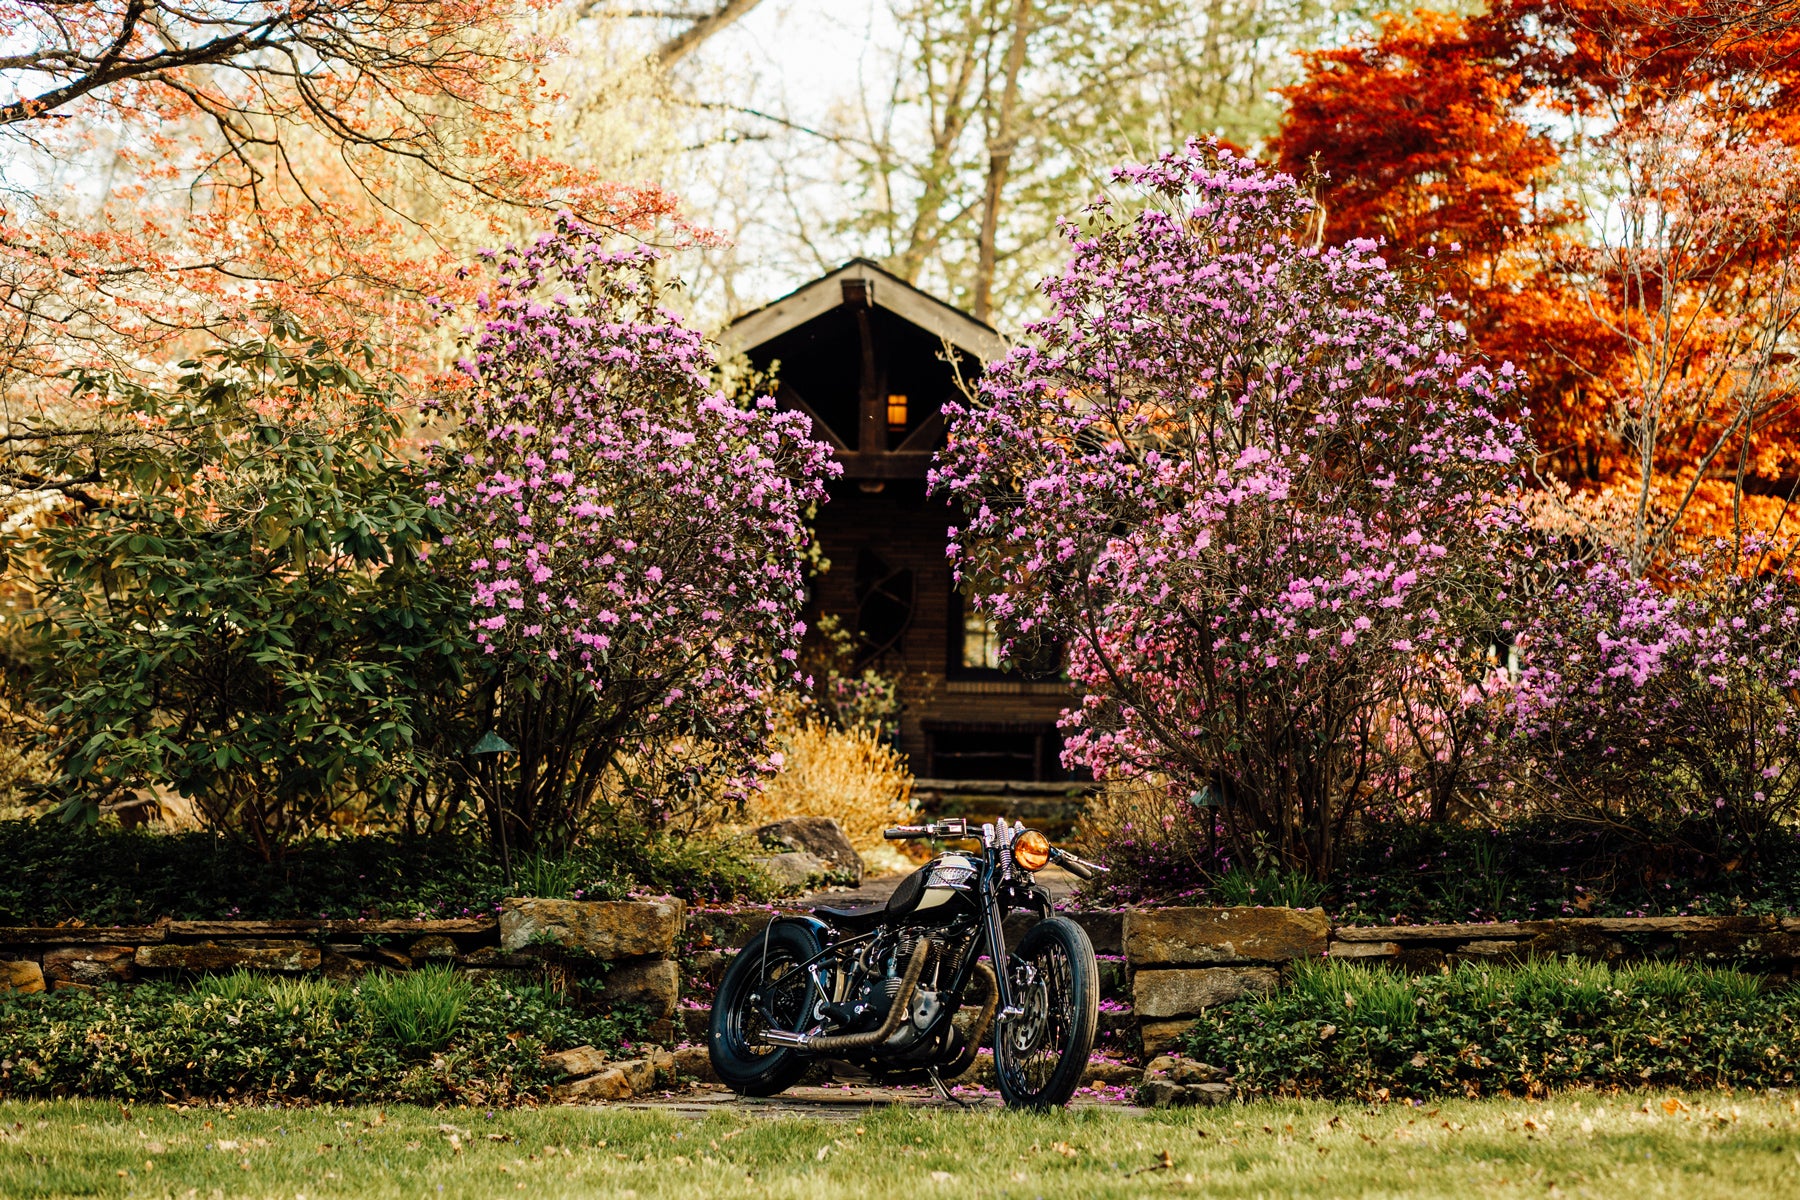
1256 488
633 542
1675 710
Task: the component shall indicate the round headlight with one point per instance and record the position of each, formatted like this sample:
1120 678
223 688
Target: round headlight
1031 850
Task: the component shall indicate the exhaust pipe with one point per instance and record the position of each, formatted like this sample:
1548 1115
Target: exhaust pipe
860 1041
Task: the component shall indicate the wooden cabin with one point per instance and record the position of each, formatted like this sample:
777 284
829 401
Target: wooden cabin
867 357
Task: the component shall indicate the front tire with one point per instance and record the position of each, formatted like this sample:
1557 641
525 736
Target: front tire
1053 976
764 979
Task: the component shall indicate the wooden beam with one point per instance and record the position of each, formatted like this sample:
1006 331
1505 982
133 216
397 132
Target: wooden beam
871 427
787 397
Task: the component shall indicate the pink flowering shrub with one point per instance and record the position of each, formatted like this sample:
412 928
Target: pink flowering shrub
1662 710
1251 483
634 541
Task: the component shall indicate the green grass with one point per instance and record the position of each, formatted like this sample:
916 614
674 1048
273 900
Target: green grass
1640 1146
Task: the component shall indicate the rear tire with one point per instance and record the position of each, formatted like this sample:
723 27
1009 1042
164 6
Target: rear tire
767 967
1040 1057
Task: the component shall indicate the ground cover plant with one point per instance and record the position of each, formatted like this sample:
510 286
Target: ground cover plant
424 1036
1354 1032
1656 1144
129 877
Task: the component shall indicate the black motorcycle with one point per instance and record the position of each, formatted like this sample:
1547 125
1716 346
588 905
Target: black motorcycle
880 985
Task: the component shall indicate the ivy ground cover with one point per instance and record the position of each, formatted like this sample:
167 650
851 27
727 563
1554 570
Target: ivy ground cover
1692 1145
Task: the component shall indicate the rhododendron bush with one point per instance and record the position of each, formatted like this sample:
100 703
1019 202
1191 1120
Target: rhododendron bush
634 540
1253 485
1676 712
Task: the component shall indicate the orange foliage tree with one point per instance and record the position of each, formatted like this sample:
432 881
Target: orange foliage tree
168 167
1593 164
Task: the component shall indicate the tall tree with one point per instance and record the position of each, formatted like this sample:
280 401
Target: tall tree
1652 312
983 122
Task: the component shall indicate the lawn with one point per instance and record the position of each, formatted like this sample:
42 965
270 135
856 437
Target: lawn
1691 1145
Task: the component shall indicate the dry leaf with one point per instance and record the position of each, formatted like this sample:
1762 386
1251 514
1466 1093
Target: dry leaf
1064 1149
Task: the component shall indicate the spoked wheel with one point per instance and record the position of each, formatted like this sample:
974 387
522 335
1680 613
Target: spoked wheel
764 988
1052 976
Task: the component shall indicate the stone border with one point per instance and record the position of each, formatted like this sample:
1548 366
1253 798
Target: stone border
631 945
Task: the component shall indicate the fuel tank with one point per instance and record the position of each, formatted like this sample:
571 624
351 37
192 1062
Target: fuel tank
942 889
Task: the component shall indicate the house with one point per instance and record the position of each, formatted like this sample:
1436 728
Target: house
872 360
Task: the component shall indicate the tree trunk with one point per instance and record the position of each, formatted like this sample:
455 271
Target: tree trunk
1000 152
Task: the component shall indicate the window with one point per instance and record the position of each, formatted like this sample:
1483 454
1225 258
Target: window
896 409
980 641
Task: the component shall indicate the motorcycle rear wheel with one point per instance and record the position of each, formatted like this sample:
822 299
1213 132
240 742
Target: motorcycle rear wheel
1053 976
765 977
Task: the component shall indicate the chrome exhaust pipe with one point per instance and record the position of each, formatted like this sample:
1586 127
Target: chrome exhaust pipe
859 1041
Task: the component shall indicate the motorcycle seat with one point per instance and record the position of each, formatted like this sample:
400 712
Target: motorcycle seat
854 917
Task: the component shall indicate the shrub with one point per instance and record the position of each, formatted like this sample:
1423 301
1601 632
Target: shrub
1252 484
290 1039
633 542
246 617
850 775
1339 1030
1672 709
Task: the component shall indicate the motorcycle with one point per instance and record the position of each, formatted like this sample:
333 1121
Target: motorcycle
880 985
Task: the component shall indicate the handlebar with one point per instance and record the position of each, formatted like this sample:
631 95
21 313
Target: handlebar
1080 868
958 827
955 827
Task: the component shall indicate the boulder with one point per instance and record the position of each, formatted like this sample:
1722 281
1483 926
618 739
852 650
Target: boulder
1166 1093
1208 1095
794 871
1161 1093
1182 993
580 1062
20 978
608 929
1160 1037
654 983
89 964
207 956
821 837
1181 1070
695 1062
640 1074
1176 937
610 1084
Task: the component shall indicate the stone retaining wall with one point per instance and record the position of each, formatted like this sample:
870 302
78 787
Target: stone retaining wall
628 947
1160 968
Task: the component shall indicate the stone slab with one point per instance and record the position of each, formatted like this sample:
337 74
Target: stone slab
1170 937
1162 1037
1183 992
57 935
608 929
1339 949
204 957
89 964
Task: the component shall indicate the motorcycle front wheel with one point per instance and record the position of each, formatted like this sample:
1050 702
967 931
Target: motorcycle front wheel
1040 1055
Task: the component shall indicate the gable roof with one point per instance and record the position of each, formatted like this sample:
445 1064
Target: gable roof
885 290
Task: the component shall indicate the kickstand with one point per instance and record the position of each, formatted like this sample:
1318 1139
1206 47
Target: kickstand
943 1091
